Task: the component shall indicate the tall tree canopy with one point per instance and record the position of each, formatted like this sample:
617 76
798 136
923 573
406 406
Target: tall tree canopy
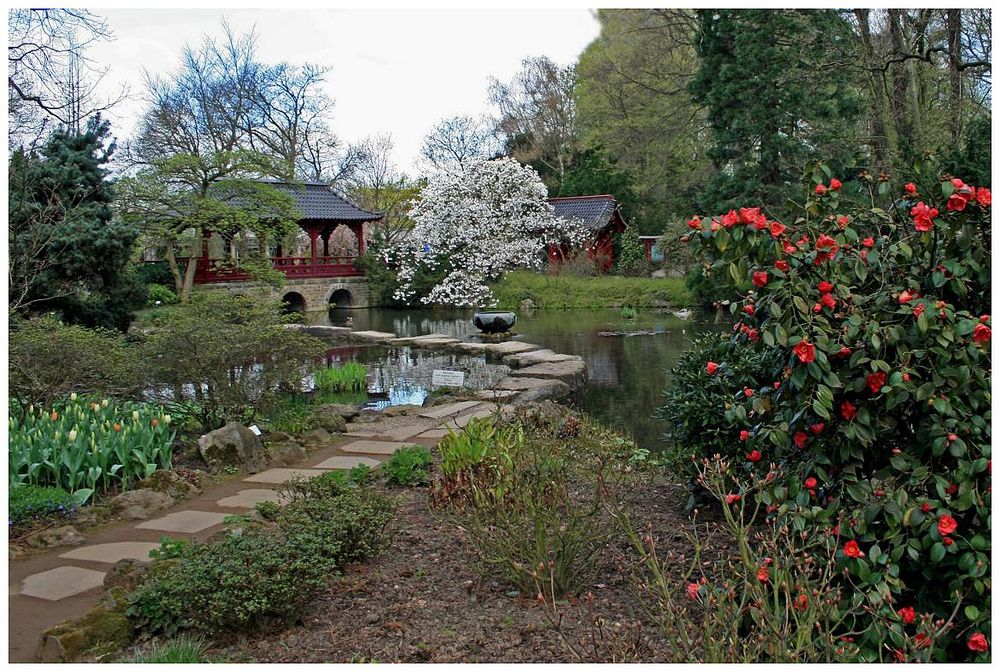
68 253
777 89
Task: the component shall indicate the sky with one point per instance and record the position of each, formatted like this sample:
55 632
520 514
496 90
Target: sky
394 72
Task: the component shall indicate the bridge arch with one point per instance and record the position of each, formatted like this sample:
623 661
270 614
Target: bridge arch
340 298
293 302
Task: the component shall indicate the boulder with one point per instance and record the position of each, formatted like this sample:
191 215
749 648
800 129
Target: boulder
659 274
366 417
64 535
170 483
521 359
573 372
139 504
535 389
346 411
233 446
103 630
126 574
330 422
286 454
317 437
402 409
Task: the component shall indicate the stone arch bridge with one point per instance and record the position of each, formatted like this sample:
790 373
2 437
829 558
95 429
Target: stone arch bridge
307 295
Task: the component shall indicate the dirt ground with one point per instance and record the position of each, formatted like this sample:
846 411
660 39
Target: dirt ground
422 601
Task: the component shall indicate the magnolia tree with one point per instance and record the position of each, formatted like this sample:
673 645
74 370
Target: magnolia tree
471 228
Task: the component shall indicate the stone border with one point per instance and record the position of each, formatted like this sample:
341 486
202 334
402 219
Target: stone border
537 373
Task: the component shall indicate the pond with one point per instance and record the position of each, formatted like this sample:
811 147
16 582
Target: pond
627 360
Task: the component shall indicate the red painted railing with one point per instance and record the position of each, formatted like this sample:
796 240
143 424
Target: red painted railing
224 270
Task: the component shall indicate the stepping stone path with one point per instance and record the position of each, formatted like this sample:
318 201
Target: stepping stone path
438 412
397 434
247 499
347 462
113 552
188 522
374 447
375 336
61 582
282 475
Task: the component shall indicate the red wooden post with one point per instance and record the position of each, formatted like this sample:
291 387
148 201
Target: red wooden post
360 233
313 235
326 242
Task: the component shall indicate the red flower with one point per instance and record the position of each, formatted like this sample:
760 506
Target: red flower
908 614
922 640
875 381
777 384
843 221
925 507
910 188
905 296
695 222
801 602
782 265
848 411
789 248
749 309
760 278
835 184
826 242
800 439
730 499
749 215
692 590
981 333
810 482
711 368
777 228
984 197
958 200
754 456
923 216
947 541
919 309
744 435
820 189
805 351
763 575
714 226
844 352
817 428
851 550
868 242
817 307
977 642
828 301
753 335
825 287
946 525
748 391
730 219
951 490
760 223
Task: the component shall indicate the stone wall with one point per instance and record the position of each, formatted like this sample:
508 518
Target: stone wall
315 292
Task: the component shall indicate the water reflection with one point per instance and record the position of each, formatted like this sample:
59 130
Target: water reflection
627 360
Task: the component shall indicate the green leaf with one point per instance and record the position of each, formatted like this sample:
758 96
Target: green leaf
937 552
971 612
820 410
922 323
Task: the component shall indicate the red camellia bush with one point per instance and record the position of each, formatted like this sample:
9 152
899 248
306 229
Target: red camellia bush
880 316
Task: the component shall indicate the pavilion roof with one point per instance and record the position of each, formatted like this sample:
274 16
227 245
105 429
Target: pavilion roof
318 200
595 211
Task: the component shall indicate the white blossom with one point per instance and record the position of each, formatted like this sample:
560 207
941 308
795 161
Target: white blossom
478 225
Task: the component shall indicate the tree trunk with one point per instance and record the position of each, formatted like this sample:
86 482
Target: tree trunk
955 73
174 269
881 142
900 83
185 292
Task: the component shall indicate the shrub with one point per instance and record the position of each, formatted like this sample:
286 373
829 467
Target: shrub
267 510
159 294
408 466
266 572
234 350
31 501
83 445
348 377
50 360
884 399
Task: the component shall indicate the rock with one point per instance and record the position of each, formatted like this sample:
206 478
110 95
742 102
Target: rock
170 483
139 504
64 535
535 389
522 359
233 446
402 409
126 574
330 422
527 305
659 274
571 372
317 437
278 437
346 411
286 454
366 417
543 414
101 631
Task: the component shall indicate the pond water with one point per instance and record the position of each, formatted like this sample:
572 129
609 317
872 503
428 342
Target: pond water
627 360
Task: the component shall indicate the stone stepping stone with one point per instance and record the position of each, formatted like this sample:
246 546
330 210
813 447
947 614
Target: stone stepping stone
247 499
434 342
374 447
463 420
375 336
520 359
113 552
511 347
473 347
571 372
433 434
185 522
495 395
439 412
347 462
396 434
282 475
61 582
535 389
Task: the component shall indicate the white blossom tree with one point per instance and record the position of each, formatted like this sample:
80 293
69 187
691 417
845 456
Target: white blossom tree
473 227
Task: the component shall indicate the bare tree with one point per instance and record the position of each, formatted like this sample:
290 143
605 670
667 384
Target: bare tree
537 114
49 75
377 184
456 141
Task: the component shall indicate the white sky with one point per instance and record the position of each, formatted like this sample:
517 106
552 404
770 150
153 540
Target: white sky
391 71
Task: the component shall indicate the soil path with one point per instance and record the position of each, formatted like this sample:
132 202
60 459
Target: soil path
64 583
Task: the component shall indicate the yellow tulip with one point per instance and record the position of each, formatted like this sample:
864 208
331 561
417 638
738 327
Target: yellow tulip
72 434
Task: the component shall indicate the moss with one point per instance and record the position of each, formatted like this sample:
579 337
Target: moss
101 631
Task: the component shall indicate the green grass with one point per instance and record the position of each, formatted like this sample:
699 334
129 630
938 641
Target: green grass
606 291
347 378
184 649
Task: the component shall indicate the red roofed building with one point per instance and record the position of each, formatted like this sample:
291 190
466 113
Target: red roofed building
603 218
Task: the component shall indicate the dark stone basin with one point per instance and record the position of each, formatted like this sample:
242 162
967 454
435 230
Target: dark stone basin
494 322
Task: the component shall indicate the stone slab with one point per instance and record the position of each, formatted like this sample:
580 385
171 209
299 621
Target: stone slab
535 389
347 462
520 359
438 412
463 420
374 447
375 336
282 475
324 330
472 347
185 522
571 372
247 499
495 395
511 347
61 582
113 552
394 434
433 434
